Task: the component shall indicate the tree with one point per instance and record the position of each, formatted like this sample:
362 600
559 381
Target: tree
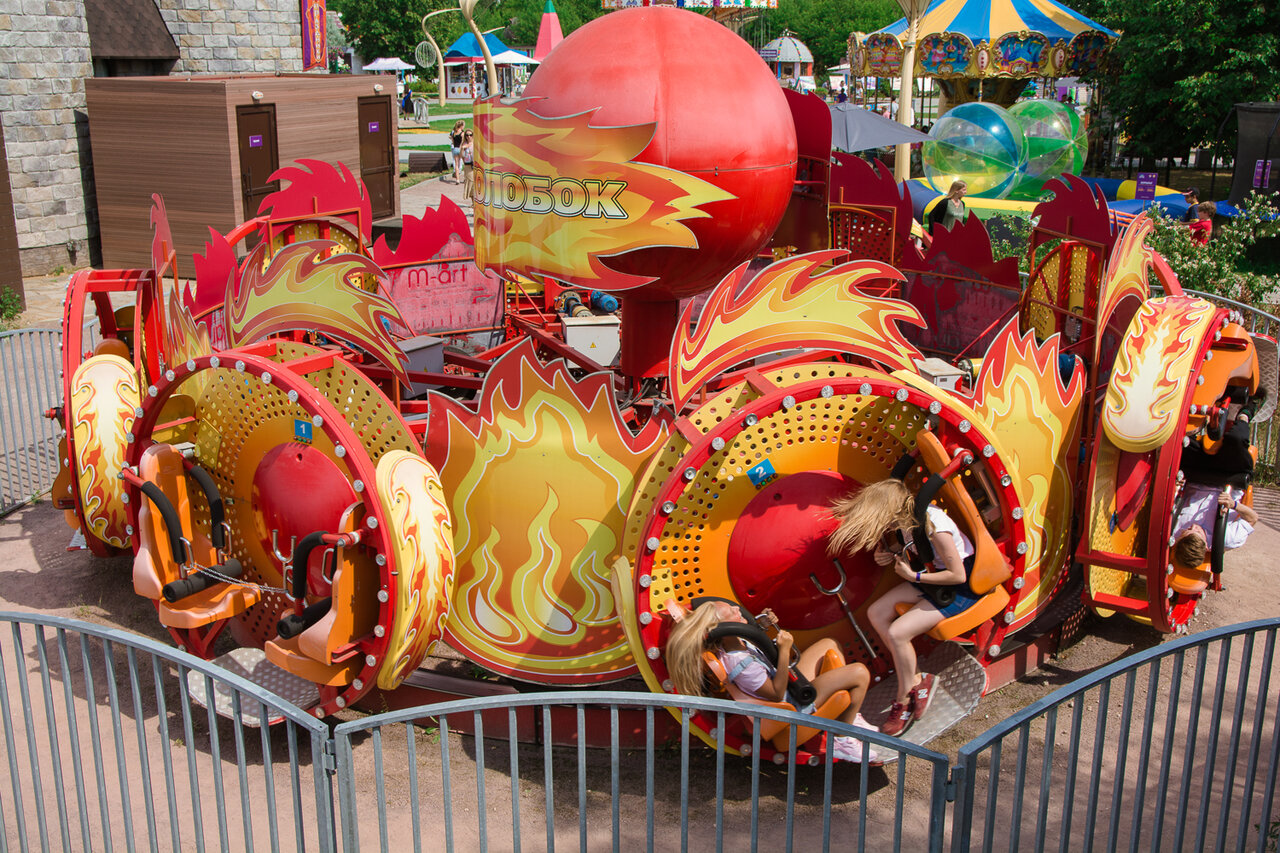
394 27
1181 65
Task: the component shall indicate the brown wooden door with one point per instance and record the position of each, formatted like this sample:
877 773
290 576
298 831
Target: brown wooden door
377 154
259 155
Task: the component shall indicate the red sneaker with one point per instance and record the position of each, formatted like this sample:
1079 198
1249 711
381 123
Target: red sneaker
899 718
922 694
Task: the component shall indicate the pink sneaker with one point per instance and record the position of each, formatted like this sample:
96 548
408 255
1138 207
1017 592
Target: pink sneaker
922 694
850 749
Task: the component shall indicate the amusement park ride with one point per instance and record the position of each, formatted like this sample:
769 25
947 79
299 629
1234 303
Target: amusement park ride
252 438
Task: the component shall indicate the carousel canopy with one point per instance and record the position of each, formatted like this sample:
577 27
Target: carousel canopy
989 38
786 48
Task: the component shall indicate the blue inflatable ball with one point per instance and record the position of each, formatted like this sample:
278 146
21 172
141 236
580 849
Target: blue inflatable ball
980 144
1056 144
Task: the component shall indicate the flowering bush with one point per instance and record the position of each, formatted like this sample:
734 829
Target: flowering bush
1219 266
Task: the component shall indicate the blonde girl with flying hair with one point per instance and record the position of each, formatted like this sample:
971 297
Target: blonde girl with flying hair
868 520
753 674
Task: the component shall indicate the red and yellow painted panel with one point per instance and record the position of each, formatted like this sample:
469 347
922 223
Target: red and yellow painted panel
1143 405
1034 421
104 399
558 196
538 481
421 535
789 305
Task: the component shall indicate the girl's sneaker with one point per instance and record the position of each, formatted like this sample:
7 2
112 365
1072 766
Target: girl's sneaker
900 717
850 749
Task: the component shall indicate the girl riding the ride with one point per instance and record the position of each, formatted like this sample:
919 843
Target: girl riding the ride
752 673
873 518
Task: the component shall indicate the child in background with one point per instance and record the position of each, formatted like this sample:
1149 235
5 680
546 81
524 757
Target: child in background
1202 228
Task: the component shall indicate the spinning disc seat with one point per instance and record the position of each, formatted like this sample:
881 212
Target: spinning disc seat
319 644
990 570
777 732
171 551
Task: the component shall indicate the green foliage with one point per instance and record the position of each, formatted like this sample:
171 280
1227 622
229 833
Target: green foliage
394 27
10 307
825 25
1010 236
1219 267
1182 64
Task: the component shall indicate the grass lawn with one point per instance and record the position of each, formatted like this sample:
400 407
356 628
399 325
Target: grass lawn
409 179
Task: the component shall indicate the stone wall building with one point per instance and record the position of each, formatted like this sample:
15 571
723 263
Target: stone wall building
51 46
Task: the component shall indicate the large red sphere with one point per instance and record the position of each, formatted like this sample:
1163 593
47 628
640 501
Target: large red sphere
719 115
781 539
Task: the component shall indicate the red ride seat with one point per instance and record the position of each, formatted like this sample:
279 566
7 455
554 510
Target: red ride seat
154 565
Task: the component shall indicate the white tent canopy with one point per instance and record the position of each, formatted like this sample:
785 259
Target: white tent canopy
388 63
513 57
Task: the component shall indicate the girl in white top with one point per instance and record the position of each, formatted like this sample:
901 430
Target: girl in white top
868 519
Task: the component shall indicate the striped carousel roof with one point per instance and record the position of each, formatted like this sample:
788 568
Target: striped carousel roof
988 20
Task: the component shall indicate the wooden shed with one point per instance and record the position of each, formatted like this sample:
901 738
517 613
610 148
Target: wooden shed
208 144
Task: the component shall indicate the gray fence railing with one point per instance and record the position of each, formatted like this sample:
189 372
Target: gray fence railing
1174 748
511 795
30 364
107 747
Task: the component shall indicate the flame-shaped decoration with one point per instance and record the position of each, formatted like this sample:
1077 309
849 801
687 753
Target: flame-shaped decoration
301 289
421 534
104 397
557 195
538 482
215 283
1126 274
1076 210
187 338
1018 394
163 253
790 304
422 238
854 181
1144 399
316 186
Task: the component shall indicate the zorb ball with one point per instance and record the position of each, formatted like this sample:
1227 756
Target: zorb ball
1056 144
980 144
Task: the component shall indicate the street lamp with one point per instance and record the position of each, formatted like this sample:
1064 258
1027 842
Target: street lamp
914 10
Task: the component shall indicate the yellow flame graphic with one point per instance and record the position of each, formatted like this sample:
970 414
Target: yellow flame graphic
1144 399
1019 396
538 482
302 288
104 395
1126 273
557 195
789 304
410 490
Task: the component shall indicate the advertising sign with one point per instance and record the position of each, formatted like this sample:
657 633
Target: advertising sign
1146 189
315 45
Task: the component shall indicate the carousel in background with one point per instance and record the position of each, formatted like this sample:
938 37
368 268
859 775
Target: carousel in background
983 51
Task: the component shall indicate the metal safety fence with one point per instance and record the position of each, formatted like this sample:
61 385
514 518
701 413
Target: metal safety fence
1174 748
110 743
30 363
508 794
107 749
